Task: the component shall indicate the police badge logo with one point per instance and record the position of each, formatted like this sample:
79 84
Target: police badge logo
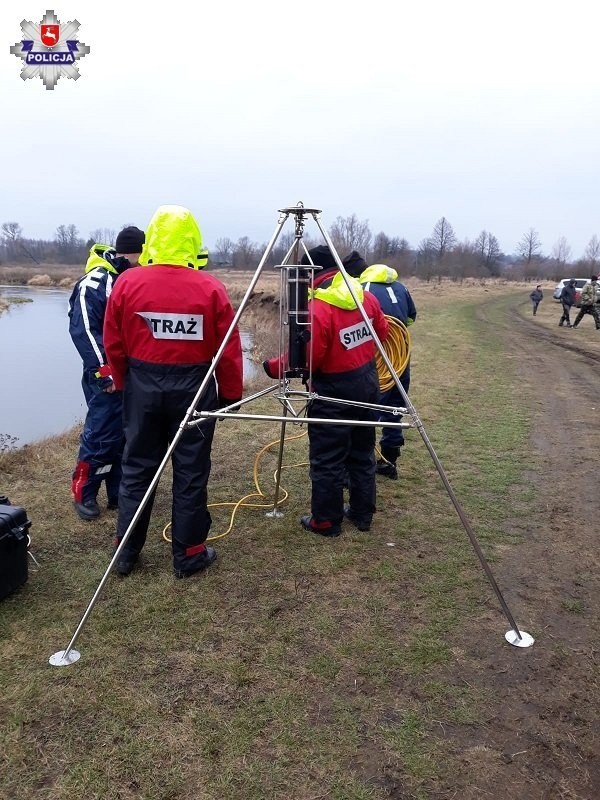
50 50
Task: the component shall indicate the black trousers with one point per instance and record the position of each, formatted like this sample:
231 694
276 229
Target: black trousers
155 400
343 452
565 315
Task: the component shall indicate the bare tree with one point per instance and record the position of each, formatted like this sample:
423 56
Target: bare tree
425 259
463 261
244 253
223 250
351 233
68 244
488 251
399 246
442 239
11 237
592 251
103 236
381 247
561 252
11 231
529 247
14 244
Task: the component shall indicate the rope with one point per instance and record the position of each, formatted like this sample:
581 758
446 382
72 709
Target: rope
397 347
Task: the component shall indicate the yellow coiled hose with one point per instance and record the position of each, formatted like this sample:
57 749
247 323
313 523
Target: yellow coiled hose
397 348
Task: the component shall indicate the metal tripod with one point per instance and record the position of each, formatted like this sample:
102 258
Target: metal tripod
296 317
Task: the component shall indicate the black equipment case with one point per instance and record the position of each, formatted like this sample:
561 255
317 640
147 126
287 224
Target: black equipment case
13 548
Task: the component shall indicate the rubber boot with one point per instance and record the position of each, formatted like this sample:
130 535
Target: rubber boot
386 466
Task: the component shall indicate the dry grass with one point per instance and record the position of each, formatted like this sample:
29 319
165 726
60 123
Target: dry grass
58 274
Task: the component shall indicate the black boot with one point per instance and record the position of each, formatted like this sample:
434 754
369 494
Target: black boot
88 510
201 562
386 466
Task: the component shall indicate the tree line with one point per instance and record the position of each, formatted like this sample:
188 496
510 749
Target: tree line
439 255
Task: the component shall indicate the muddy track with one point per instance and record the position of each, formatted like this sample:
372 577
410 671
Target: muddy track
548 336
541 740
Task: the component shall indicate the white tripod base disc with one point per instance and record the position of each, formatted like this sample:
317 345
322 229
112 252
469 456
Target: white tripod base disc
525 641
59 660
274 513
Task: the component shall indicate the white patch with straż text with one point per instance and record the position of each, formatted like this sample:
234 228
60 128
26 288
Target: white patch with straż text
164 325
355 335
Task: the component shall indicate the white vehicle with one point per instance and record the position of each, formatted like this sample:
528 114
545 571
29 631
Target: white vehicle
579 284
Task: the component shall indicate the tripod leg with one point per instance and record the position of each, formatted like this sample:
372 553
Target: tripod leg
276 512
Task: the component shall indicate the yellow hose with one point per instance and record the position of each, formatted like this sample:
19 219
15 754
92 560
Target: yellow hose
397 348
242 502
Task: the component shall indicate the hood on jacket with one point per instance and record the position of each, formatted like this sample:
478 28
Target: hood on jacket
378 273
102 255
173 237
337 293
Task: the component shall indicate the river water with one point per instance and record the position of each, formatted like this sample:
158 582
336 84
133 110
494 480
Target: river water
40 369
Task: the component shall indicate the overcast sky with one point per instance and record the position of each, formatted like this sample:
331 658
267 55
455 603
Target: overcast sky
484 112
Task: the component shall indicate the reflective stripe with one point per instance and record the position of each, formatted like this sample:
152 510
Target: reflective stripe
103 470
393 297
80 478
86 320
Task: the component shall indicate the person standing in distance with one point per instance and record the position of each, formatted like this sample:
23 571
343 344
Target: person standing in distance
567 298
164 325
101 443
536 297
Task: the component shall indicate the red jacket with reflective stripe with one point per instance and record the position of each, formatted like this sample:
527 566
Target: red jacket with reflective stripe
172 315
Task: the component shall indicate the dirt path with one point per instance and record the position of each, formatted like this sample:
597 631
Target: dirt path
542 738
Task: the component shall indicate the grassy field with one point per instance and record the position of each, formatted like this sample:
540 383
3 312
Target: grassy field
297 667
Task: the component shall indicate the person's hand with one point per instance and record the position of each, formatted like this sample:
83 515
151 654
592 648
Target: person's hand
267 368
110 388
224 402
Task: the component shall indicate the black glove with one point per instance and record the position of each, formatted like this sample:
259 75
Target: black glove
267 369
224 402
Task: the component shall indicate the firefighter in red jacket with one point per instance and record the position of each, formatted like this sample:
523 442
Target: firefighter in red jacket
343 367
163 326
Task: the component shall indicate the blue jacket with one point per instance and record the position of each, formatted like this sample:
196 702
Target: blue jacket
394 298
87 306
